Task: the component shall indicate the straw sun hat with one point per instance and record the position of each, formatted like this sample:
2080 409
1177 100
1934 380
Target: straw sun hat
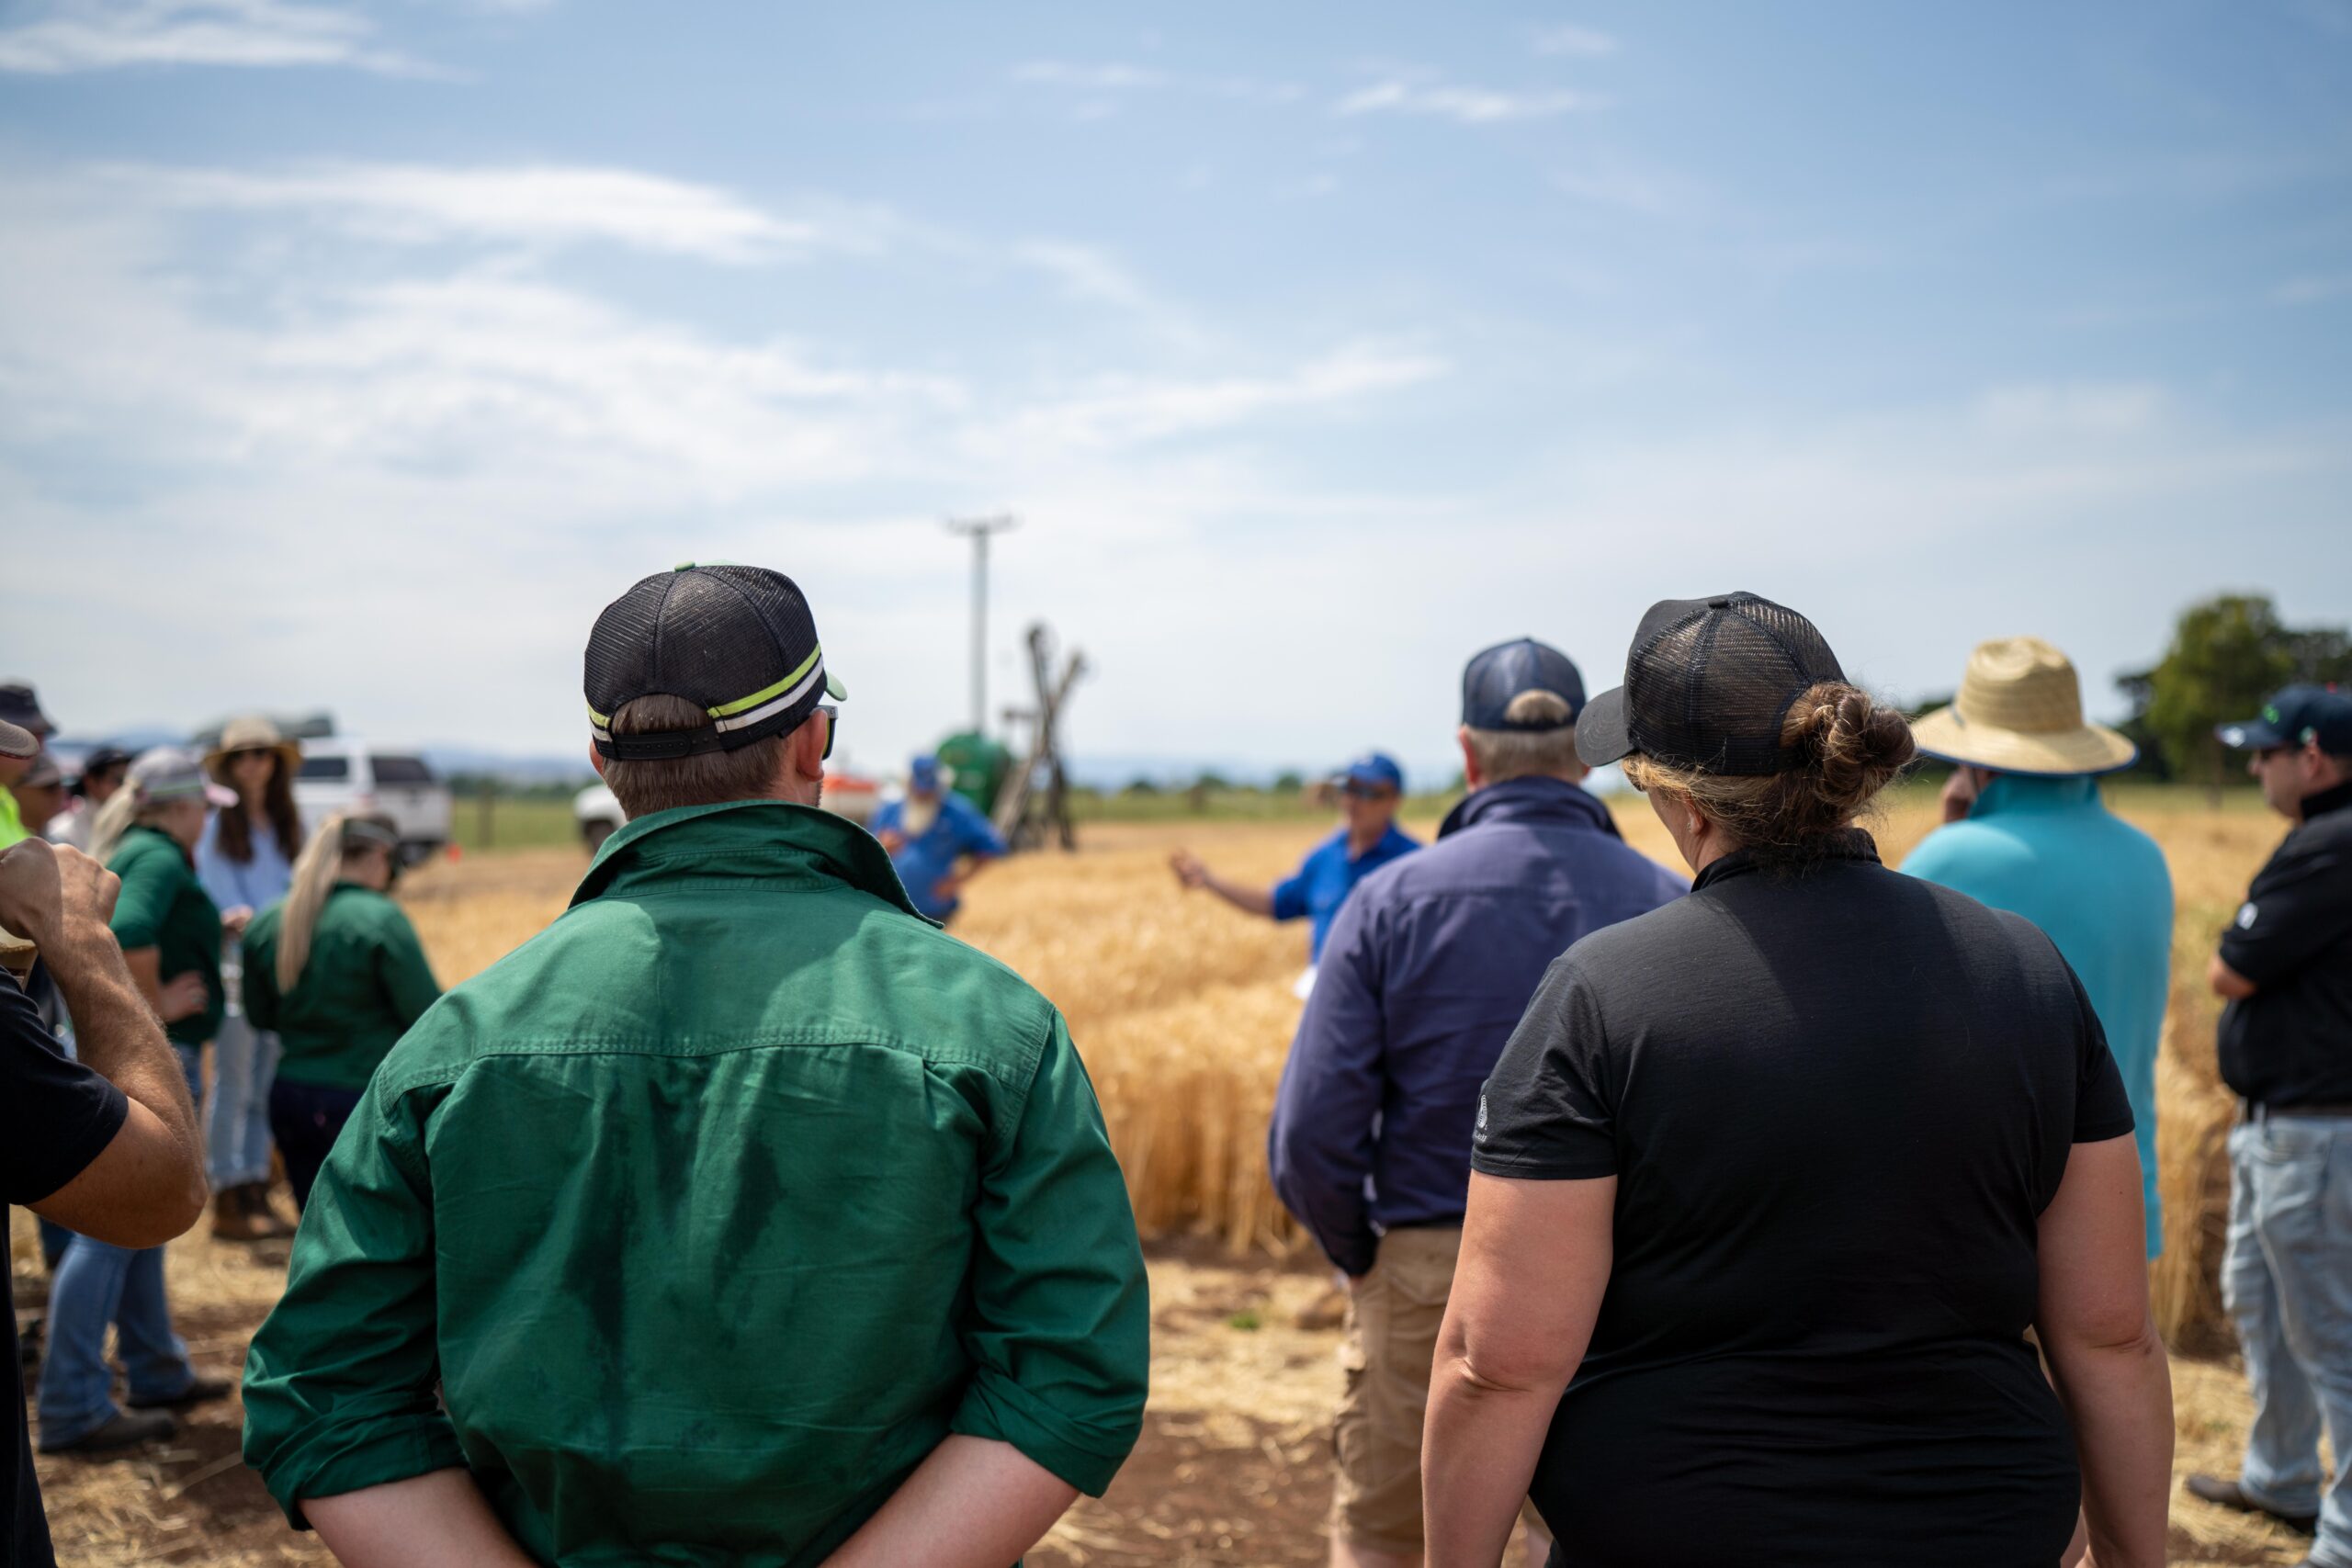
250 733
2020 710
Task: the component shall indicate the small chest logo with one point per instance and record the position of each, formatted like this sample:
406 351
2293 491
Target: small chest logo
2246 916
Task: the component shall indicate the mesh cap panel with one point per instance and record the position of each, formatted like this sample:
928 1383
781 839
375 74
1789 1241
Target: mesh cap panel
1709 683
736 641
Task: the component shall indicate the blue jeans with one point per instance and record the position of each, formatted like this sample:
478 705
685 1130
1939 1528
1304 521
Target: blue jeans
2286 1279
96 1284
236 1121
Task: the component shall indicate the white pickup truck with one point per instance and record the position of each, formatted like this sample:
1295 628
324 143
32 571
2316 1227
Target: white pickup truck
339 774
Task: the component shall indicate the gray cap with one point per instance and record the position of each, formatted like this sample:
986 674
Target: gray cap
18 743
167 773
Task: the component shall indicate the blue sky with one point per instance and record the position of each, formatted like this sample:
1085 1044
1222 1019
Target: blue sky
357 355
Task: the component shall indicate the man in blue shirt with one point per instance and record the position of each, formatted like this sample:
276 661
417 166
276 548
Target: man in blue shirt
1426 972
938 839
2025 831
1370 791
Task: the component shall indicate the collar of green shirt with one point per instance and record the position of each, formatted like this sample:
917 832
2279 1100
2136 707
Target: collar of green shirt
767 839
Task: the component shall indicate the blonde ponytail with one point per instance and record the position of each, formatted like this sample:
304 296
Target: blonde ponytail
111 823
315 869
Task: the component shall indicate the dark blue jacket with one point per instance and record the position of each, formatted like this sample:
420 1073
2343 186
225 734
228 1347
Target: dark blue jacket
1428 968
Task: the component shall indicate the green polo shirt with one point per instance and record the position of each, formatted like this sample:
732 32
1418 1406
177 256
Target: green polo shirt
365 982
694 1224
163 906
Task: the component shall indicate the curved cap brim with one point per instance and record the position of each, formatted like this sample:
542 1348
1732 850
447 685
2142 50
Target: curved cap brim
16 741
2093 749
2253 735
1601 735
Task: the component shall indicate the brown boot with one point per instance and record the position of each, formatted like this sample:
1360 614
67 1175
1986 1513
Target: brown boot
231 1220
263 1212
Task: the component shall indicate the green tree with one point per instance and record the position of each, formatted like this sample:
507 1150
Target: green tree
2227 655
1289 782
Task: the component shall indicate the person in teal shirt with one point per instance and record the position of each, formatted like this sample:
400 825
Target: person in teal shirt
2026 831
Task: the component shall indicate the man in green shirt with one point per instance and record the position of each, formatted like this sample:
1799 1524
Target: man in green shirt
742 1216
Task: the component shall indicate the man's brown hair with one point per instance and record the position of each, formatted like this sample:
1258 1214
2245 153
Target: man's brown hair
707 778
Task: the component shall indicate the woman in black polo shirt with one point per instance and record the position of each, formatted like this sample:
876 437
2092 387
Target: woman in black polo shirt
1781 1174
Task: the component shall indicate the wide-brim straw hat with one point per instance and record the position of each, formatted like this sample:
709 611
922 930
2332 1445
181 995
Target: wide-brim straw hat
250 733
2020 710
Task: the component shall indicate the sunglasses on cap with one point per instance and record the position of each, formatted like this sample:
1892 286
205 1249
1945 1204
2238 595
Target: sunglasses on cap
1354 791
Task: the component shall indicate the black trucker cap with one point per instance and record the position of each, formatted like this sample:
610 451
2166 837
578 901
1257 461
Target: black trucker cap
1708 685
736 641
1508 669
2297 713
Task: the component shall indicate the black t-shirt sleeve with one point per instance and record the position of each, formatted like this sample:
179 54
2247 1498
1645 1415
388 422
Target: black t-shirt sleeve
1548 1112
2298 907
2102 1110
56 1115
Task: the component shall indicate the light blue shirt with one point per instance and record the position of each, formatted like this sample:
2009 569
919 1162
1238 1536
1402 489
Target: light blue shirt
2047 849
255 884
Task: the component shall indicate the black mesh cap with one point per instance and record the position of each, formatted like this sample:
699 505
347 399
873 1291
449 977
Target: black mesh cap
1708 685
736 641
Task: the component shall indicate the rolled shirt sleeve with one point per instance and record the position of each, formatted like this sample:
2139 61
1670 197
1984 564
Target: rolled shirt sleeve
339 1386
1320 1146
1290 896
1548 1111
1060 1323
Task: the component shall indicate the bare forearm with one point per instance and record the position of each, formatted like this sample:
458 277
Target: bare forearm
1479 1445
972 1504
436 1520
115 1031
1253 900
2120 1400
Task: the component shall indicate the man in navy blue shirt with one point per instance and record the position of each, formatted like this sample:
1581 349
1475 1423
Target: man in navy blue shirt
1426 972
1370 791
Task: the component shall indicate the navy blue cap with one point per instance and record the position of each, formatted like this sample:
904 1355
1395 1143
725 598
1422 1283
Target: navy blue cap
1508 669
2298 714
1375 768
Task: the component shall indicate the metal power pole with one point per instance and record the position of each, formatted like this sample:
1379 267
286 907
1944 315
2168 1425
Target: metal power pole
978 530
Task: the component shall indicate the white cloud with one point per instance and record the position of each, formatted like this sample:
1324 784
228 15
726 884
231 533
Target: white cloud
1127 409
1112 77
1088 273
2072 410
65 35
535 203
1469 106
422 474
1582 42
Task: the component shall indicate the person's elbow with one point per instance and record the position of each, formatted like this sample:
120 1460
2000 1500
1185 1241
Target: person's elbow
2227 982
2122 1329
1485 1367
